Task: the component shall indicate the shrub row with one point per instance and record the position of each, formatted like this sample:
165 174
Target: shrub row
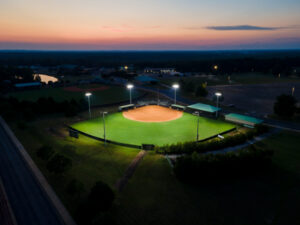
212 144
198 167
13 109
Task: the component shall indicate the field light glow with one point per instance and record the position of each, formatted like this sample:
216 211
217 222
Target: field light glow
176 86
129 86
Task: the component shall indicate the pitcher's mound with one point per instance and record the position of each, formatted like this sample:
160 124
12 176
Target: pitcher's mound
152 113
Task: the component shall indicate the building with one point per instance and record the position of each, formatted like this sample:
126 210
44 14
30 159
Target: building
160 70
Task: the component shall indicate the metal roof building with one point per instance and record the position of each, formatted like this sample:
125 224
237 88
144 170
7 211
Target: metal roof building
204 108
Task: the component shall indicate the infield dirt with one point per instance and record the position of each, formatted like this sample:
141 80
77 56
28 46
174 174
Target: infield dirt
152 113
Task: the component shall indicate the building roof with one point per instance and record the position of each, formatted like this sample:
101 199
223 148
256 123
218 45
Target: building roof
145 79
204 107
243 118
31 84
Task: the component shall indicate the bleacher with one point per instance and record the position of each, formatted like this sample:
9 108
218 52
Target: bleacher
126 107
180 107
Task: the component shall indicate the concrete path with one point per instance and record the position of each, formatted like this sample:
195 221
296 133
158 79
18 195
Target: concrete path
130 170
32 200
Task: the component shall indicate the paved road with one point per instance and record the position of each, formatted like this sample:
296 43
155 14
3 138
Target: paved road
29 202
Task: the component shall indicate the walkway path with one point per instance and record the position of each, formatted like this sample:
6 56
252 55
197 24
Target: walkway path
130 170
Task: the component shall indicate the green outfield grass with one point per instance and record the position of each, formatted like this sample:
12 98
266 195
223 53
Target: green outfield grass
128 131
113 94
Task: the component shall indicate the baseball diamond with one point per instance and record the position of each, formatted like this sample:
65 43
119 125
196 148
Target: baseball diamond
156 125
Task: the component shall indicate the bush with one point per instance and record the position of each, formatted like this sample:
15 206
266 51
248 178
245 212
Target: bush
285 106
22 125
59 164
99 200
212 144
201 91
75 188
45 152
238 164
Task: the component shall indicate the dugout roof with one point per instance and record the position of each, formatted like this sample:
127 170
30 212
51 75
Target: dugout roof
239 118
204 107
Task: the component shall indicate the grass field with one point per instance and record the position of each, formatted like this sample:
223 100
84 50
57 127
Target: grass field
128 131
113 94
91 160
155 196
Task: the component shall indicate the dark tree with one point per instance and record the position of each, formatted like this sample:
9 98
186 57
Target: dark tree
59 164
45 152
285 106
201 91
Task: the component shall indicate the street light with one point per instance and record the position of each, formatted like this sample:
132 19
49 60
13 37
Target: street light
130 86
293 90
218 94
175 86
104 134
88 95
197 113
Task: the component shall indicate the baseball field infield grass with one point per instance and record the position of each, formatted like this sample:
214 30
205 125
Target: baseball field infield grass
128 131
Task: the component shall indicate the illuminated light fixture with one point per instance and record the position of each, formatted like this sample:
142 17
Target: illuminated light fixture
130 86
88 95
175 86
218 94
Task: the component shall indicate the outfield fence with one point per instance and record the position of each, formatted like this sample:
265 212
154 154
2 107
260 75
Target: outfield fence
102 139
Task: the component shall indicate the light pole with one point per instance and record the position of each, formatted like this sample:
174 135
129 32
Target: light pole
218 94
88 95
104 131
130 86
197 113
175 86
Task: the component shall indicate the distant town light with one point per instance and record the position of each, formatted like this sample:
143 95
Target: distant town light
126 67
216 67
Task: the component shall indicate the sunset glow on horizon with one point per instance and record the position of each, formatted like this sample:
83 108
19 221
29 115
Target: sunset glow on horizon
149 25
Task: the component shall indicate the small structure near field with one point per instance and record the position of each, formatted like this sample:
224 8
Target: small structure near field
204 108
126 107
242 119
178 107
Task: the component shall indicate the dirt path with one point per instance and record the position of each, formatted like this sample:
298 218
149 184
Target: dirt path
130 170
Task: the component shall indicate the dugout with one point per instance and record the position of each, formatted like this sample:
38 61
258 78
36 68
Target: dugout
178 107
203 109
126 107
242 119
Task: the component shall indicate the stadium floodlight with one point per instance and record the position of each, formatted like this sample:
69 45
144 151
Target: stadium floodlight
104 134
198 114
175 86
130 86
88 95
218 94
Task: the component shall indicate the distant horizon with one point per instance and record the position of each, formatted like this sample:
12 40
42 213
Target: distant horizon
142 25
147 50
